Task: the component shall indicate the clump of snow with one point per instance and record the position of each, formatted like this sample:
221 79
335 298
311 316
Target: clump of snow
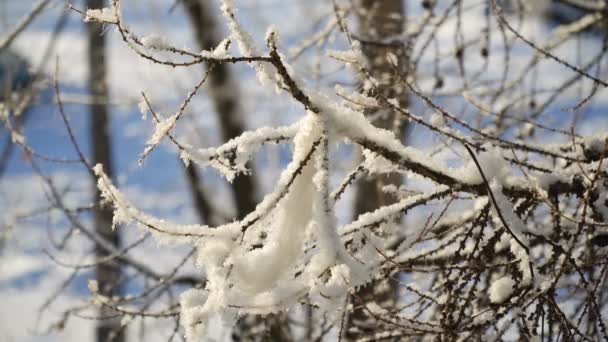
394 102
437 120
526 130
376 164
596 143
155 42
143 108
220 51
126 320
162 128
103 15
516 225
191 302
601 204
272 35
17 138
501 289
356 98
330 295
348 56
259 269
492 164
93 286
524 262
392 58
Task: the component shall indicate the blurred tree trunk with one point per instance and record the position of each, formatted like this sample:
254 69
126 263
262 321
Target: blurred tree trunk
199 198
225 95
381 24
107 274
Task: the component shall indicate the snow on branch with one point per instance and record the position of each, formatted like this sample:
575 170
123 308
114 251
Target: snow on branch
231 157
103 15
486 237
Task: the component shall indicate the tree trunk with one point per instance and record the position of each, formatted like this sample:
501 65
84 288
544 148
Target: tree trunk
200 201
379 22
107 274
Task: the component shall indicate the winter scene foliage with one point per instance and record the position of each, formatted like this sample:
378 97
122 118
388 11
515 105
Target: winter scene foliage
324 170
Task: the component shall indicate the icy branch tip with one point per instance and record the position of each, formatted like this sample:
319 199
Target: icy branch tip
98 169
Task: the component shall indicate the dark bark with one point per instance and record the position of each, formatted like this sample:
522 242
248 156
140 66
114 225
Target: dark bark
200 201
107 274
225 96
377 24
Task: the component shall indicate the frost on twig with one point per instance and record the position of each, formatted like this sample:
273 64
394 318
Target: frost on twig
155 42
245 277
160 131
230 158
103 15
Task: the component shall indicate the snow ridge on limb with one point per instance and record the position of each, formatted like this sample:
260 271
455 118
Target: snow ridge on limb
231 157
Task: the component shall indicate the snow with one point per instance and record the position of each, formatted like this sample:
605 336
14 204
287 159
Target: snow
245 42
377 164
392 58
220 52
437 120
515 224
190 302
125 213
242 148
143 108
601 203
330 295
356 97
260 269
104 15
501 289
348 56
155 42
93 286
161 130
293 216
292 206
